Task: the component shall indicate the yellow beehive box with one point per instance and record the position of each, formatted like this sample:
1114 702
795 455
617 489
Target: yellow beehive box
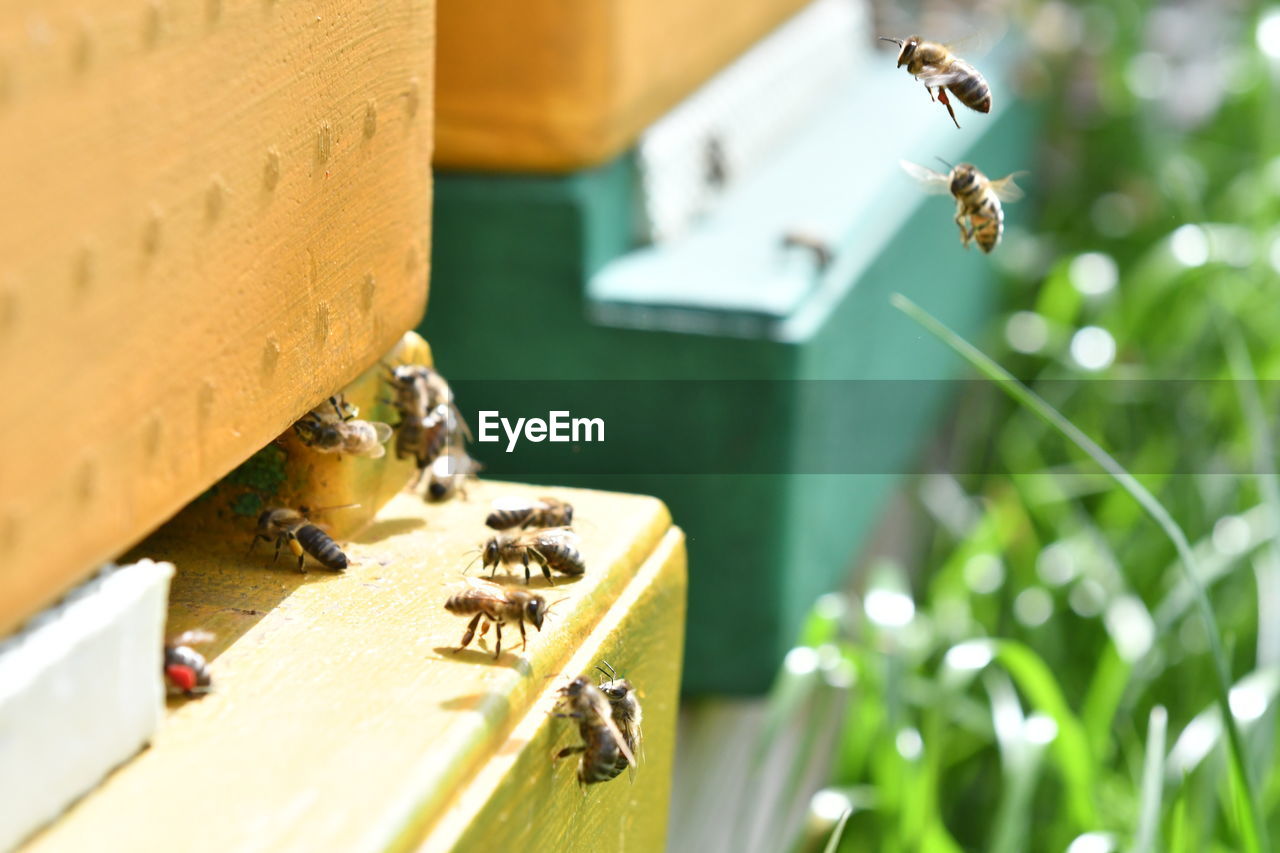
216 213
344 718
549 85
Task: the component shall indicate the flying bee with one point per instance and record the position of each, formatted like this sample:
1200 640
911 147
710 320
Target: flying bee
342 433
626 712
604 748
552 548
185 669
941 71
294 528
979 215
449 474
513 511
493 603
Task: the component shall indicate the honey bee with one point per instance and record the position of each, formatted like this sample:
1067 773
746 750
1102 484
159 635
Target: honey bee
428 415
185 669
294 527
626 712
493 603
979 215
604 748
941 71
552 548
512 512
449 475
340 432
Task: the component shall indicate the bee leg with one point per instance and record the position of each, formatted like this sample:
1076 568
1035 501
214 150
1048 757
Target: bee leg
470 633
569 750
524 643
965 233
497 646
277 556
525 561
946 102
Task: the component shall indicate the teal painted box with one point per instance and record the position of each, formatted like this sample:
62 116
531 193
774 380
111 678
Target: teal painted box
539 279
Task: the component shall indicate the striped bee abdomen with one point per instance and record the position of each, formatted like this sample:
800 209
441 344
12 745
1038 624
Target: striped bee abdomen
320 545
971 90
988 223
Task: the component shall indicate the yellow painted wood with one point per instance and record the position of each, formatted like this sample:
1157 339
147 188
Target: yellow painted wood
302 477
562 84
343 720
514 803
216 214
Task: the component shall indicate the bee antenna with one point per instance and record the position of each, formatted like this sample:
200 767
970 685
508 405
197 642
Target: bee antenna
898 42
553 604
479 553
944 162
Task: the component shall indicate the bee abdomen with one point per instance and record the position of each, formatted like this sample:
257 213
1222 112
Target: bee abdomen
320 545
565 560
505 519
972 90
601 759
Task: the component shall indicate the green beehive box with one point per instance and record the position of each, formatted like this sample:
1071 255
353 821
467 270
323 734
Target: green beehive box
772 404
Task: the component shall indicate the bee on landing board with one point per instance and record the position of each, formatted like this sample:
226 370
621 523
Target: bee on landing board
294 528
604 748
979 215
941 71
552 548
185 670
332 427
493 603
513 511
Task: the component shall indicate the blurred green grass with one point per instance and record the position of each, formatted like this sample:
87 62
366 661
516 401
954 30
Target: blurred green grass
1041 678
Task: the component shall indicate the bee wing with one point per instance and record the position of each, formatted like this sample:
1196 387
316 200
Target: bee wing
935 79
382 431
932 182
557 535
487 590
187 638
1006 189
616 734
375 452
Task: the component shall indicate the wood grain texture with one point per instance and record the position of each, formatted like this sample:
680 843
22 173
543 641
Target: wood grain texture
215 214
555 85
344 720
287 473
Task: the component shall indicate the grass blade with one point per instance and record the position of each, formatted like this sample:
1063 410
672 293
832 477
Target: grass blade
1252 828
1152 782
833 843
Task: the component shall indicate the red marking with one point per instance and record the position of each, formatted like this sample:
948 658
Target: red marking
183 677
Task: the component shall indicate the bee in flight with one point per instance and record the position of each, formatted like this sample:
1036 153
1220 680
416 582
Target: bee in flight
449 474
979 215
338 431
185 669
941 71
493 603
513 511
552 548
294 528
605 750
